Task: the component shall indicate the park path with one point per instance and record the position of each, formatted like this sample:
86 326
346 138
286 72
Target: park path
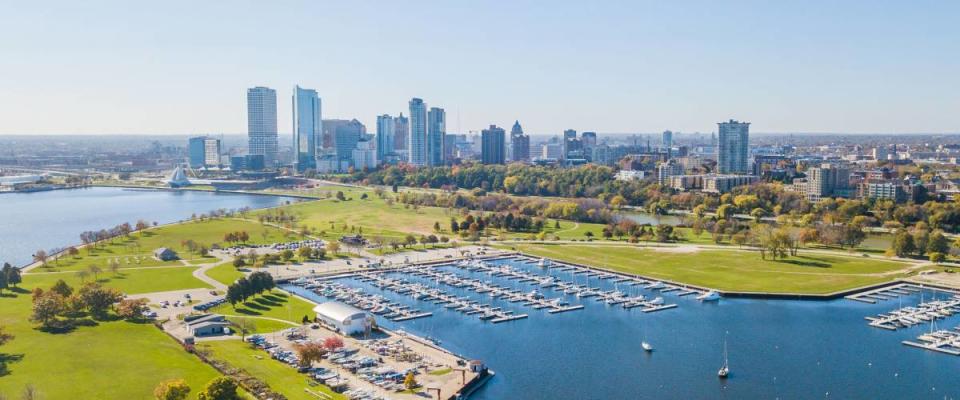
201 272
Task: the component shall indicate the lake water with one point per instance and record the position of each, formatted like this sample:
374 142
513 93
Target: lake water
54 219
778 349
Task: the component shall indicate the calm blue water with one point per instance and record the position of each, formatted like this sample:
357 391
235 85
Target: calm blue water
54 219
777 348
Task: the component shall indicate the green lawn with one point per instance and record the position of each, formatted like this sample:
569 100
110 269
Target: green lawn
732 270
130 281
281 377
277 304
373 215
112 360
225 273
137 250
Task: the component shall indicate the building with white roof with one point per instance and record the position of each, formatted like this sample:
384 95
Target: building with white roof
344 318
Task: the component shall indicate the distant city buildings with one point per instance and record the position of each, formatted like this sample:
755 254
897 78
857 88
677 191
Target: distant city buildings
493 146
824 181
732 153
401 136
262 123
307 128
417 149
667 169
364 155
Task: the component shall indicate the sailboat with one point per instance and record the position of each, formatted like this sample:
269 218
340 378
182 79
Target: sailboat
647 347
725 369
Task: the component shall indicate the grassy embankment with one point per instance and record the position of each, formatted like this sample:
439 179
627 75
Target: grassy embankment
810 272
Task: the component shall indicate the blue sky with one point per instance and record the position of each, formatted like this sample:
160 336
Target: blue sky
632 66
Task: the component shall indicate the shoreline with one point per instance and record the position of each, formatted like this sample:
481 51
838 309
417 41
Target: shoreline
60 251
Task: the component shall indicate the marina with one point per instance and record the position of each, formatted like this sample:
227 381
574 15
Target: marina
455 294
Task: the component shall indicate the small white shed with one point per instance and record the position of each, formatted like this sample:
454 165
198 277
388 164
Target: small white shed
345 318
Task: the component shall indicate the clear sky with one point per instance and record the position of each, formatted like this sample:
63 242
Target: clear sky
633 66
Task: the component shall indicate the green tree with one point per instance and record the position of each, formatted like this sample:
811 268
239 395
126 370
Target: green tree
99 299
938 243
46 307
410 381
62 288
174 389
902 244
937 257
221 388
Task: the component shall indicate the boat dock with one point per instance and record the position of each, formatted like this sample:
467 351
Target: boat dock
942 341
885 293
913 315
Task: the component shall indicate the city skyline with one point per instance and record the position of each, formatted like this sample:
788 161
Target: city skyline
651 63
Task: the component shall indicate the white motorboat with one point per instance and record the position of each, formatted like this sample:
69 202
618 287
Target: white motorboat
657 301
543 263
646 346
709 296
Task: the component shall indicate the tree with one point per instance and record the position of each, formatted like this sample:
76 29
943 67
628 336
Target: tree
3 282
333 246
114 266
94 270
99 299
286 255
902 244
4 336
12 274
410 381
589 235
305 253
937 257
46 307
40 256
938 243
309 352
221 388
332 343
174 389
238 262
62 288
246 326
132 309
725 211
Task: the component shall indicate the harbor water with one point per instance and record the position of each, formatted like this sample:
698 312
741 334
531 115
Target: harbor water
778 349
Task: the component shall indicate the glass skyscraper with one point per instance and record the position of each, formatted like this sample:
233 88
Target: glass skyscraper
385 136
307 127
732 152
262 123
436 132
417 141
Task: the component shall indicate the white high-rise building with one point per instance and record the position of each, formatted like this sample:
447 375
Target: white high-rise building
417 149
262 123
732 153
307 128
436 133
386 126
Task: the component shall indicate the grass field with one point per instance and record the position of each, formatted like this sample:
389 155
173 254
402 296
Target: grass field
137 250
732 270
225 273
112 360
281 377
130 281
277 304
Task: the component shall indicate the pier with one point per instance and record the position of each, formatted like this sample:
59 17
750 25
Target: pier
942 341
913 315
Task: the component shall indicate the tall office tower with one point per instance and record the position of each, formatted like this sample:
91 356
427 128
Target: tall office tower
519 143
589 141
346 136
204 151
732 153
666 139
196 151
401 133
492 145
568 135
307 128
385 136
436 133
262 123
417 142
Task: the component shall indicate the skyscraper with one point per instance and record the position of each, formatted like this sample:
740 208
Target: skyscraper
589 141
385 136
519 143
492 145
262 123
204 151
568 136
436 133
666 139
346 136
732 152
307 128
401 134
417 141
